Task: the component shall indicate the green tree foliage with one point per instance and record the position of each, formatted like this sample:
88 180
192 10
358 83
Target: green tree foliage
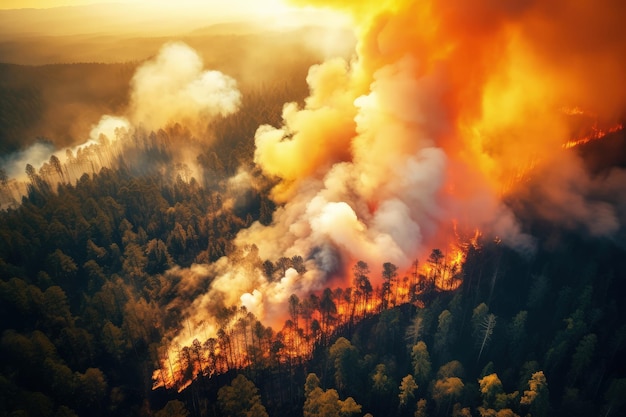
61 265
479 314
536 398
326 403
516 332
82 262
312 382
173 408
55 308
381 382
349 407
17 347
422 408
407 391
344 357
459 411
447 390
583 355
491 389
92 387
241 399
421 363
390 273
158 257
85 298
614 396
444 336
61 380
113 340
362 289
494 397
328 309
506 412
435 260
538 291
451 369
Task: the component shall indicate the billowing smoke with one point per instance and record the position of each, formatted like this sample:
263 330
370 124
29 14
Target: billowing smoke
174 87
447 109
35 155
109 126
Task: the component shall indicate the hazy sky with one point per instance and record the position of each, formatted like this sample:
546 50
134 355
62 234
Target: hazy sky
149 17
19 4
225 5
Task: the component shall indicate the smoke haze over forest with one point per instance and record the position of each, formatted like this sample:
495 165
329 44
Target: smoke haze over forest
253 168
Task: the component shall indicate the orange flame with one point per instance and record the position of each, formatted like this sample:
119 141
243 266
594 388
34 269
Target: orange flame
445 108
241 343
595 134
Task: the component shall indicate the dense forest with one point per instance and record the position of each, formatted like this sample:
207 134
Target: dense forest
36 101
86 285
87 282
89 262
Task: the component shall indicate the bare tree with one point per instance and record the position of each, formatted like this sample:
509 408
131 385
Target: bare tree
487 327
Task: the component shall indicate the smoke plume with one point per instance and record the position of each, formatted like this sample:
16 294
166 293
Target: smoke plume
171 88
174 87
446 110
35 155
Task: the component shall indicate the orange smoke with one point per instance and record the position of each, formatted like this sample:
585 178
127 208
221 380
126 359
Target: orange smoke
485 82
446 108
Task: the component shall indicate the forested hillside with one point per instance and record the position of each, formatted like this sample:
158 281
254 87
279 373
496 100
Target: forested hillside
238 240
36 101
89 275
59 100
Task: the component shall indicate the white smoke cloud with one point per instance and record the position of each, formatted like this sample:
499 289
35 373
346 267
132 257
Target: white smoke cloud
174 87
433 121
378 202
15 164
39 153
110 126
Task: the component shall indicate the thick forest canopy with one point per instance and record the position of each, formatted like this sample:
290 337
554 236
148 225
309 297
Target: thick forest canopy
89 284
419 212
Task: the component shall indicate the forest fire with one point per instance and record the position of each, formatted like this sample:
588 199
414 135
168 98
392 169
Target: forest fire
443 112
586 126
415 125
365 215
595 134
241 340
404 141
170 89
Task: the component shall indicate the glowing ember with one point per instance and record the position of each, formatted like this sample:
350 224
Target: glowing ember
444 110
243 342
596 133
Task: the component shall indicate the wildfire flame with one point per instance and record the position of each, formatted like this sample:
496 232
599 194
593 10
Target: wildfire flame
595 134
444 110
590 127
243 342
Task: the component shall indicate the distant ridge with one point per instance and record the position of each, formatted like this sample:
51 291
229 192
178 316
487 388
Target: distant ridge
139 20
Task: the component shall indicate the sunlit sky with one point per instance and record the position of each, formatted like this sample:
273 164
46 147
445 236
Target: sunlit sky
222 5
19 4
150 17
